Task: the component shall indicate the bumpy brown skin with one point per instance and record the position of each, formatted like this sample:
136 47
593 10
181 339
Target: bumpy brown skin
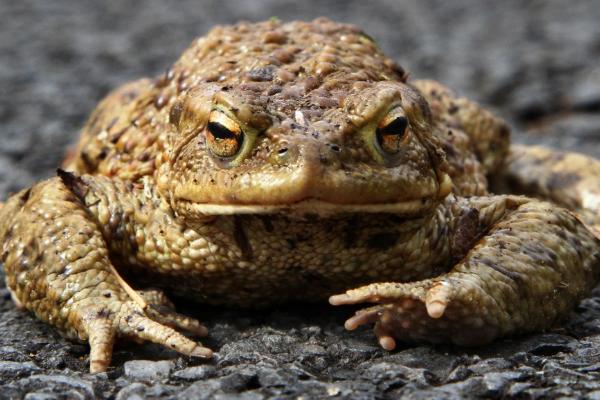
309 204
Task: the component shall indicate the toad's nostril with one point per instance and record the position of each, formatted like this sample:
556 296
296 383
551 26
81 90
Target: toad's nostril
283 154
335 147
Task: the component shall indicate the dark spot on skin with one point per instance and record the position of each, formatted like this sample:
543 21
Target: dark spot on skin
382 241
118 233
311 83
262 74
112 123
7 237
274 90
73 182
539 254
140 329
291 243
515 276
452 109
467 232
267 223
107 295
170 74
182 86
449 149
145 156
117 135
401 72
161 101
562 180
24 197
130 95
24 264
241 239
103 153
87 160
103 313
165 78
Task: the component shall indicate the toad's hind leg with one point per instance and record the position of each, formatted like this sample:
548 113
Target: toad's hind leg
57 266
571 180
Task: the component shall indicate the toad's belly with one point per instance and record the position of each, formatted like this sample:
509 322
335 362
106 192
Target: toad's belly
253 261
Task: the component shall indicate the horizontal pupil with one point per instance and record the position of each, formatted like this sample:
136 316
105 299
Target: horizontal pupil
220 132
396 127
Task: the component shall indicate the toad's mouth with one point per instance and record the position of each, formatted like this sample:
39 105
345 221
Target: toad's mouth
316 206
308 207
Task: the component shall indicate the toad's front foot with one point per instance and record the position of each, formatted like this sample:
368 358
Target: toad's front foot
431 310
102 322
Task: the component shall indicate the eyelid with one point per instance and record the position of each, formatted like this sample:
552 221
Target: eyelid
219 117
391 116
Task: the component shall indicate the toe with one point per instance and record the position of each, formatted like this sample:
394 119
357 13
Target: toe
340 299
366 316
175 320
384 330
437 300
101 336
137 325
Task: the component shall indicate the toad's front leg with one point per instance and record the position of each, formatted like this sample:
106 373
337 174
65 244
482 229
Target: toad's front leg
525 264
58 265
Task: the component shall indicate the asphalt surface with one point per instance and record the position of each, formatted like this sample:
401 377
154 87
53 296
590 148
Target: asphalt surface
534 63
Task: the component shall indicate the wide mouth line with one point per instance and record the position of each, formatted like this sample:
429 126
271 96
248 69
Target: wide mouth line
308 206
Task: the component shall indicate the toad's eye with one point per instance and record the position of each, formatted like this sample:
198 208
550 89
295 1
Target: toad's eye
391 132
224 136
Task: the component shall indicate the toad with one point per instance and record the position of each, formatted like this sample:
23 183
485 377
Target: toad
296 161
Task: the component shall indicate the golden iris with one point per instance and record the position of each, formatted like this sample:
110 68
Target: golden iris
391 132
224 136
